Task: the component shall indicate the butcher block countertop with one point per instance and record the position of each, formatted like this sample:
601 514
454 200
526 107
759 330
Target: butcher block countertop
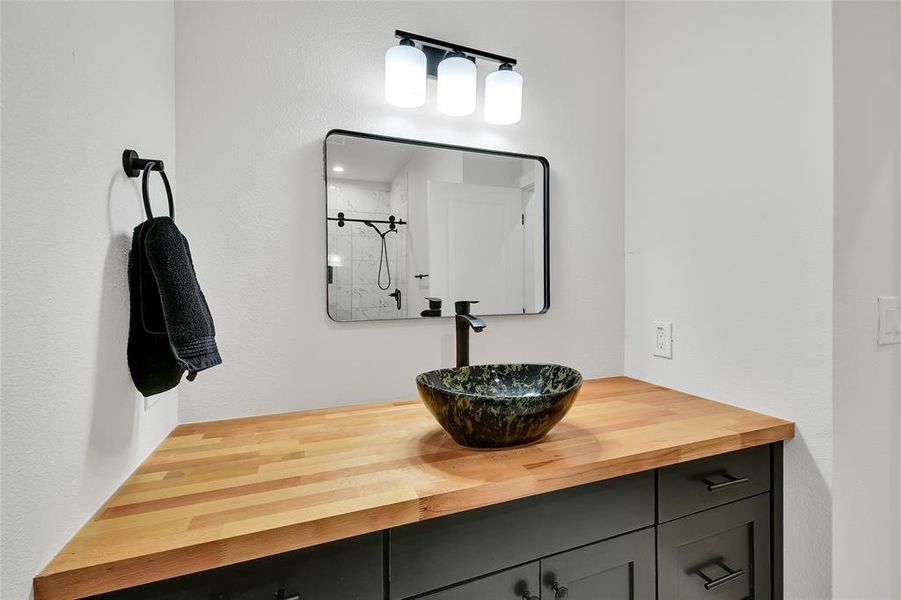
223 492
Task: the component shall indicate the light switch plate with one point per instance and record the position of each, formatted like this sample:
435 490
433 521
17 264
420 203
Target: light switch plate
889 320
663 339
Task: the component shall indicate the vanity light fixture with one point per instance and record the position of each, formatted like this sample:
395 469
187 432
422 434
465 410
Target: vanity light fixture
338 169
454 66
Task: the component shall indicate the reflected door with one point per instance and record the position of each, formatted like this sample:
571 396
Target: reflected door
476 242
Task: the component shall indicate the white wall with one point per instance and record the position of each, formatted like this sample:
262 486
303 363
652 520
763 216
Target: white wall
80 82
867 377
259 85
729 228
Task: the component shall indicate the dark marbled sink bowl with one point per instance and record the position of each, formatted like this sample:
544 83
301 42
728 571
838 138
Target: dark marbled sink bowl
491 406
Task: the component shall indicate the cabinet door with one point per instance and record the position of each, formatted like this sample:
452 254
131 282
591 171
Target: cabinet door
617 569
520 583
719 554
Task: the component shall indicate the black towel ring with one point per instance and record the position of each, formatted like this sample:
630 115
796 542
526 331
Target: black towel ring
150 167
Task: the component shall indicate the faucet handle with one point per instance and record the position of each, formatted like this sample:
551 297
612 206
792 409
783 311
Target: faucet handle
462 306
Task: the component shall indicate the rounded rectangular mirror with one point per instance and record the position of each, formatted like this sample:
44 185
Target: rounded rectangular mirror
413 226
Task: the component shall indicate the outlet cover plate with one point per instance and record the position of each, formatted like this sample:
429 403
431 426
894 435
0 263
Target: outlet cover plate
889 320
663 339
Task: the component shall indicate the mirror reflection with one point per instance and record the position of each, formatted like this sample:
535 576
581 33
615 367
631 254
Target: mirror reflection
413 227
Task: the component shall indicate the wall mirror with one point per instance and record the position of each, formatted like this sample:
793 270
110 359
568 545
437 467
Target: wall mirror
413 227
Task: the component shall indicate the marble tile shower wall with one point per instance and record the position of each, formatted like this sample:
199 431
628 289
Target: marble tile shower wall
355 251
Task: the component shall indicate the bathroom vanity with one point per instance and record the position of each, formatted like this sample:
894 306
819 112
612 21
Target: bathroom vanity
641 492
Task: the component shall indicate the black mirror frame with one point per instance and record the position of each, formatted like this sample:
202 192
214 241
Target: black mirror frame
384 138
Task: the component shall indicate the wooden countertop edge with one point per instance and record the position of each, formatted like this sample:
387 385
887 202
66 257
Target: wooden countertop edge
108 577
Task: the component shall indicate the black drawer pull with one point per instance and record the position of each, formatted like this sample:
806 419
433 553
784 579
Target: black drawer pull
715 583
561 592
731 480
527 595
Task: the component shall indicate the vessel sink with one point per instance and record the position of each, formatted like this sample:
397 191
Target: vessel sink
491 406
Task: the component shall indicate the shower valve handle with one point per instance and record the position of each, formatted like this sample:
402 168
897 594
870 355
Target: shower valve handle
396 294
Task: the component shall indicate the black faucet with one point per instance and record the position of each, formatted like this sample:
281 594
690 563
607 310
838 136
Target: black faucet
464 321
434 309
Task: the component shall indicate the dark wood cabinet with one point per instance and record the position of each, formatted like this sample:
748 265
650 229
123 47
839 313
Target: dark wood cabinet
704 541
722 553
618 569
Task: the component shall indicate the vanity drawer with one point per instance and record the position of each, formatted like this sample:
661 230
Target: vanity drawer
439 552
348 569
519 583
719 554
701 484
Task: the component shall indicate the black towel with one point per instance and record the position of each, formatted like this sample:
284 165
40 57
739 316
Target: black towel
171 330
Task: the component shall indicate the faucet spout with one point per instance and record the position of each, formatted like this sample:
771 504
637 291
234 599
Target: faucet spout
474 322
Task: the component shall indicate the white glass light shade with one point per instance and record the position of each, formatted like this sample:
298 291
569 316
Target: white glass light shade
503 97
405 74
457 86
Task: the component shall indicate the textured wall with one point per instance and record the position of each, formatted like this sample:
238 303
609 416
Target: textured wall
729 228
259 85
81 81
867 377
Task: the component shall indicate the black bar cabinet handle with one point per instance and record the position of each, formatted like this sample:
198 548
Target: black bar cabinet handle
731 575
730 481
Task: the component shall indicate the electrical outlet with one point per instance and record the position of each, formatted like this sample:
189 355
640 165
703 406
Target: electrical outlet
889 320
663 339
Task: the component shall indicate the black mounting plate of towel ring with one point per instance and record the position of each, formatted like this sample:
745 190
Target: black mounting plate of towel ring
134 164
